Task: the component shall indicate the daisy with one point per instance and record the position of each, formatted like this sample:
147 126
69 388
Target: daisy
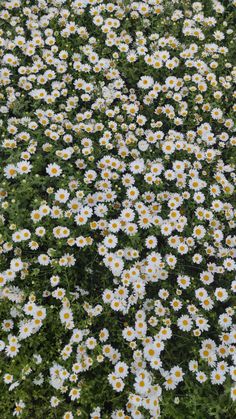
54 170
127 214
23 167
221 294
216 113
8 378
25 330
177 373
199 232
118 385
66 315
137 166
74 393
185 323
166 229
36 216
116 304
233 392
62 195
201 377
121 369
229 264
39 313
150 352
225 321
10 171
12 349
217 377
151 242
145 82
19 406
168 147
141 385
129 334
206 277
16 265
170 383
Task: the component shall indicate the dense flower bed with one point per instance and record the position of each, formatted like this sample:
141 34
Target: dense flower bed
117 199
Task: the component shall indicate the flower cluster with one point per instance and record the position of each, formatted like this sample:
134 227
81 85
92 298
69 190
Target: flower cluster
118 257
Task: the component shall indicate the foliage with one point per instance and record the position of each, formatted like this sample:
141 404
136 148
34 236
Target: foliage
117 195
